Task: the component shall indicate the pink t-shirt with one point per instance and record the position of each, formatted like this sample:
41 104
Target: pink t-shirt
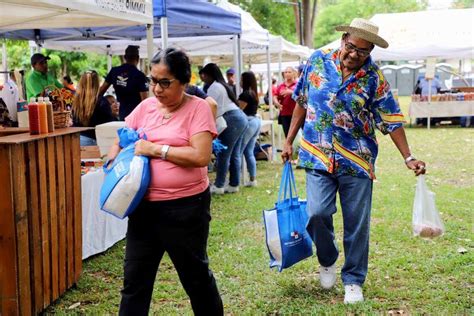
168 180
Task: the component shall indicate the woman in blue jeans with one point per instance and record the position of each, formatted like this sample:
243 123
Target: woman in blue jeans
228 160
248 102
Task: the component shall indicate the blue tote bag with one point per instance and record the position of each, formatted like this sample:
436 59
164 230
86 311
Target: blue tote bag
287 240
127 179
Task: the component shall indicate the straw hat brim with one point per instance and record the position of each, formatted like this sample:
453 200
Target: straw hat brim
365 35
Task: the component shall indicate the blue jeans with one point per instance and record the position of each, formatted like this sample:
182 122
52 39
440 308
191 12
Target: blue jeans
355 195
231 158
87 141
248 145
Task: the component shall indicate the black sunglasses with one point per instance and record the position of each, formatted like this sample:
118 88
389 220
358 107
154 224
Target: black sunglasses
163 83
360 52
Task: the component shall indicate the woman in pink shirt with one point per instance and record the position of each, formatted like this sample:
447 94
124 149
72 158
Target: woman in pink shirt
175 213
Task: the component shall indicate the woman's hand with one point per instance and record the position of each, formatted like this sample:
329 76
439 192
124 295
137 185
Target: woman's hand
286 92
146 148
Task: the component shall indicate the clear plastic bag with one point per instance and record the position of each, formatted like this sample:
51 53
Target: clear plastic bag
426 219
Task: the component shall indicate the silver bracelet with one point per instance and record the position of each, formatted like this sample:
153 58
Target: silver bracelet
164 151
409 158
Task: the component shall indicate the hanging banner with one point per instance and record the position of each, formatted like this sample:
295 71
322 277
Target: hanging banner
140 11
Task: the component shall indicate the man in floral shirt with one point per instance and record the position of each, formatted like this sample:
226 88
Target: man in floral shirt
342 97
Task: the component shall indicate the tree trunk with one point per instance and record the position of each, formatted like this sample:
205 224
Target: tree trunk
297 22
309 17
64 70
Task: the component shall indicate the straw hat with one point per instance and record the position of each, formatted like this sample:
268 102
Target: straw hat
364 29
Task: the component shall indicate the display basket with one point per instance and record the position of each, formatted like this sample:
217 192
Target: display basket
61 119
62 102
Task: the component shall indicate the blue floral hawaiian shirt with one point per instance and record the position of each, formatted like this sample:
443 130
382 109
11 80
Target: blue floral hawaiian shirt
339 129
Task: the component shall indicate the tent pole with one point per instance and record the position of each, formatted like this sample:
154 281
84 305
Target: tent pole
237 63
164 32
149 42
4 60
269 79
428 120
239 68
270 102
280 78
109 59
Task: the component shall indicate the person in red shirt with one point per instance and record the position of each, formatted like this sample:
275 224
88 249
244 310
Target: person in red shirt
283 100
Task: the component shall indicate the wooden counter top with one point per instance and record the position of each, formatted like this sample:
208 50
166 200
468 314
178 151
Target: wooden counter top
23 137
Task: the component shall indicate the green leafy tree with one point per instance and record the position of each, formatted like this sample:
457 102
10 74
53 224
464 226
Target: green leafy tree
322 16
18 54
462 4
277 18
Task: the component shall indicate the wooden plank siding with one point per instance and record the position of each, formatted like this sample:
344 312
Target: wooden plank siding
41 225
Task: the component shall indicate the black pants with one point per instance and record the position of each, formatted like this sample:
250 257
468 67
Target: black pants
180 227
285 121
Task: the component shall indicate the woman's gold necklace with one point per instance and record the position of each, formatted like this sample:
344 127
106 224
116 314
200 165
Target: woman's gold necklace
167 116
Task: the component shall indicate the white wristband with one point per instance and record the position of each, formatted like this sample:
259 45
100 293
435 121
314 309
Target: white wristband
164 151
409 158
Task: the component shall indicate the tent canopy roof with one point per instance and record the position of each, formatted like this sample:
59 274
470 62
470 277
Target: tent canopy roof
185 18
23 19
424 34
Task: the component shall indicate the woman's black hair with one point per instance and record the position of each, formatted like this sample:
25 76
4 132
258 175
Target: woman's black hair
213 72
249 83
67 79
177 62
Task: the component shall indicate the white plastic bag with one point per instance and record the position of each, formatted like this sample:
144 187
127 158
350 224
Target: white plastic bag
125 191
221 124
426 219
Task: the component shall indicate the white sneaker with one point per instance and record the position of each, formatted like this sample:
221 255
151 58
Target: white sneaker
216 190
353 294
327 276
251 183
231 189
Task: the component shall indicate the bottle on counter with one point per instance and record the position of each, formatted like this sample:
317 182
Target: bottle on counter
43 116
49 110
33 117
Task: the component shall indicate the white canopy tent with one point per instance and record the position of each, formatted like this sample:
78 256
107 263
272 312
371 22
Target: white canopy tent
60 20
65 16
219 48
424 34
254 45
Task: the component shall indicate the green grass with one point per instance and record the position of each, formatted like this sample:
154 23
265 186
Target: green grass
407 274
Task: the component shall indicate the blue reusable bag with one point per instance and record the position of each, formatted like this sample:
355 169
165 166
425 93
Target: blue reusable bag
127 179
287 240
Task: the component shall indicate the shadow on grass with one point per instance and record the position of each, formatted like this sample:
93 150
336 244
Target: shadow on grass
305 289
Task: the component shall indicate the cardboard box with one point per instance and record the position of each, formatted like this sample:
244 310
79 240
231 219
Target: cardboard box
90 152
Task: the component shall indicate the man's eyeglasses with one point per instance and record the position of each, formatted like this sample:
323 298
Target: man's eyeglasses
360 52
163 83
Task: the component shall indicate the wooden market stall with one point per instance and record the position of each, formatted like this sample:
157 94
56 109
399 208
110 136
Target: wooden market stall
40 225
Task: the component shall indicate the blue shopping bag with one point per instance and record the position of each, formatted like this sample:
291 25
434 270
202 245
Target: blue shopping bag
127 179
287 240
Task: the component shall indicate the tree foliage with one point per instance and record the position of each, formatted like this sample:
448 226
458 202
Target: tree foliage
280 18
61 63
463 4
